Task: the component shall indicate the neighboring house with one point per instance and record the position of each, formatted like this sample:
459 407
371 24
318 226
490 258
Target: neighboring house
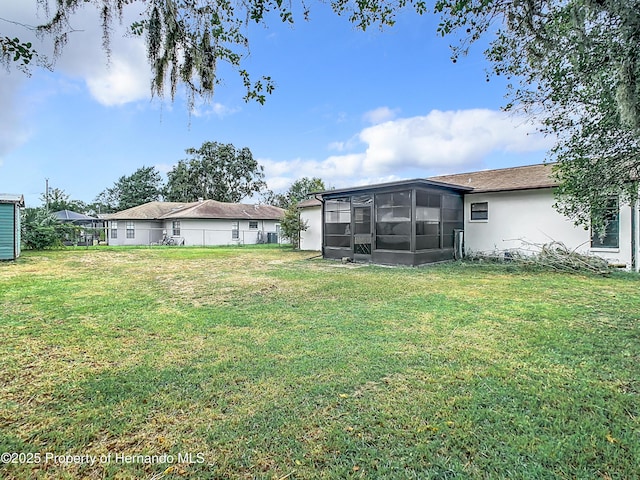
499 210
88 231
10 205
202 223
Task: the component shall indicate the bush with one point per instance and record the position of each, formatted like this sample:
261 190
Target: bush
41 229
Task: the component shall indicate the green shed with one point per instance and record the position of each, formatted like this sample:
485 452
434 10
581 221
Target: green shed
10 225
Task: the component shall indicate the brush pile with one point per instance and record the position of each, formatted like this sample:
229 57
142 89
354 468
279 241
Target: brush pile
549 256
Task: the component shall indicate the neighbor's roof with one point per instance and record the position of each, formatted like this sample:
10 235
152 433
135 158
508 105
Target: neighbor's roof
146 211
206 209
503 179
70 216
213 209
12 198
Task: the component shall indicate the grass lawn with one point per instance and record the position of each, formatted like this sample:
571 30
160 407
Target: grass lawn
230 363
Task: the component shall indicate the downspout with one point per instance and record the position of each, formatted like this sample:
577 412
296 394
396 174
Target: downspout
634 236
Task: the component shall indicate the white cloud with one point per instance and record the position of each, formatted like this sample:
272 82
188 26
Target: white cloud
379 115
439 142
203 109
120 82
122 77
446 139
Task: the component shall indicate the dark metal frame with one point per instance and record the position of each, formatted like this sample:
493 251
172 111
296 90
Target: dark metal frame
411 256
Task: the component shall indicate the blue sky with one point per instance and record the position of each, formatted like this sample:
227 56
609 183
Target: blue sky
350 107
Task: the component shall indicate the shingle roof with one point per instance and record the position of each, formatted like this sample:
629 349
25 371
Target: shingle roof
503 179
309 202
147 211
213 209
206 209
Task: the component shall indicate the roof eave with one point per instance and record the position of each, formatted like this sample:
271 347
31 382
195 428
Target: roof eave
401 183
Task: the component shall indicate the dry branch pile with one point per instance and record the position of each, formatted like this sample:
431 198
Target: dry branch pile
549 256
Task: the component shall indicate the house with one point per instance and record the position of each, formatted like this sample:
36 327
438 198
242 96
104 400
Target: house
10 205
202 223
88 228
426 220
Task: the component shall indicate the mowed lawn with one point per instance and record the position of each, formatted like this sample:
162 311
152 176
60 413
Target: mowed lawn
234 363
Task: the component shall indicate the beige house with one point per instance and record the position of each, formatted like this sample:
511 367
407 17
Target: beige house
201 223
502 210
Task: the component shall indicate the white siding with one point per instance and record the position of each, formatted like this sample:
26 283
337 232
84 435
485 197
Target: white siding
519 218
311 239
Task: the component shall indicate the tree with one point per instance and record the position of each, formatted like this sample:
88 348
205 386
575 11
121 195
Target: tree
291 224
215 172
577 67
142 186
298 191
186 40
40 229
57 199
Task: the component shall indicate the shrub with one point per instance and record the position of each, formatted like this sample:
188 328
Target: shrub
41 229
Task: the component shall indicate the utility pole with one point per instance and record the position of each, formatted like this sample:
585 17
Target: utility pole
46 193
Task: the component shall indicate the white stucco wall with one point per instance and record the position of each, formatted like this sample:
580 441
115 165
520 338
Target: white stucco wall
208 232
519 218
311 239
199 232
145 232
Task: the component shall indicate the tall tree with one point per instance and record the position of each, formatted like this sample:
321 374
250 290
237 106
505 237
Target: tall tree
187 40
215 172
57 199
298 191
142 186
575 66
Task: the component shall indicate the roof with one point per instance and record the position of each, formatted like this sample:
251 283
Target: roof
208 209
12 198
504 179
310 202
146 211
70 216
214 209
421 182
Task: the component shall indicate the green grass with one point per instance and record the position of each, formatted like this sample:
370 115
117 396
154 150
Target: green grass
261 363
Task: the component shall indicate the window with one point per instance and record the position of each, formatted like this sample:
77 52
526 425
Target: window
611 235
253 224
480 211
176 228
131 230
393 221
114 229
235 231
337 223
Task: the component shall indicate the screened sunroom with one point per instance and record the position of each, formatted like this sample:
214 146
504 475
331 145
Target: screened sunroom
401 223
